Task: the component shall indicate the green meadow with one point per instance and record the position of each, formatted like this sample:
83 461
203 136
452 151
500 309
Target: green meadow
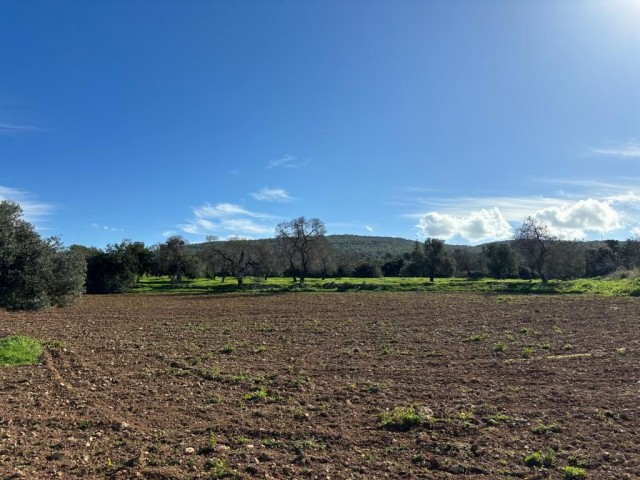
255 285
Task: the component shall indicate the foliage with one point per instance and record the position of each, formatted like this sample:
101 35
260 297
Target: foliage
117 268
540 459
173 259
435 259
566 260
468 260
35 272
573 473
19 350
367 270
603 260
502 261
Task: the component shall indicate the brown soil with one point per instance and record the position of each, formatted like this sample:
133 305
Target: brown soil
293 386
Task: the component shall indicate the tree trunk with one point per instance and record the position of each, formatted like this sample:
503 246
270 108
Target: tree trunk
240 279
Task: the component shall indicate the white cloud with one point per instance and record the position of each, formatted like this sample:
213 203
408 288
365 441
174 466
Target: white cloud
570 219
289 161
228 219
33 211
368 228
576 219
272 195
628 150
476 226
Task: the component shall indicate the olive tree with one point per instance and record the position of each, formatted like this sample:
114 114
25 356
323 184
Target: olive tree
35 272
173 259
116 268
502 261
233 257
436 259
301 240
534 241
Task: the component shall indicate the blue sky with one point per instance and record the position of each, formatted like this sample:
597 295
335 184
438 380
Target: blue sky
451 119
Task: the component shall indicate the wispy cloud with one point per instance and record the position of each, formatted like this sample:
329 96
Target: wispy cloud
221 210
368 228
272 195
11 129
228 219
33 211
630 149
97 226
288 161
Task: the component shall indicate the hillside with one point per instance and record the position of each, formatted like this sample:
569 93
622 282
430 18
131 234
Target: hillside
360 247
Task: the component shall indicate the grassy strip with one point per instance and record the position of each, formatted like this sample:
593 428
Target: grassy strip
206 286
19 350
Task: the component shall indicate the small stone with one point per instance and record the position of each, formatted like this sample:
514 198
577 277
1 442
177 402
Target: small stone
189 451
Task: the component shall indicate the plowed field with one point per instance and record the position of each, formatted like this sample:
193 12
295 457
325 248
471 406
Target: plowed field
297 386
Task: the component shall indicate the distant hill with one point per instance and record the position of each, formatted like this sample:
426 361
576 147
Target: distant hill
363 247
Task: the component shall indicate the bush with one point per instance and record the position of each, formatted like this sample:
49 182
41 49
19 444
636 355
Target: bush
35 272
367 270
402 418
574 473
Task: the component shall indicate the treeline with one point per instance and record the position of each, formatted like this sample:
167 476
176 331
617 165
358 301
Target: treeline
36 272
304 251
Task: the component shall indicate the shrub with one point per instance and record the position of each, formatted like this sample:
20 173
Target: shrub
574 473
367 270
402 418
540 459
35 272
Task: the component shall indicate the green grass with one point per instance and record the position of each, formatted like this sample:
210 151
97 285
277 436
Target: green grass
257 395
207 286
402 418
573 473
19 350
540 459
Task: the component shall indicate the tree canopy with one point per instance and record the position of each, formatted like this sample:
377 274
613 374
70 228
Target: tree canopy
35 272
